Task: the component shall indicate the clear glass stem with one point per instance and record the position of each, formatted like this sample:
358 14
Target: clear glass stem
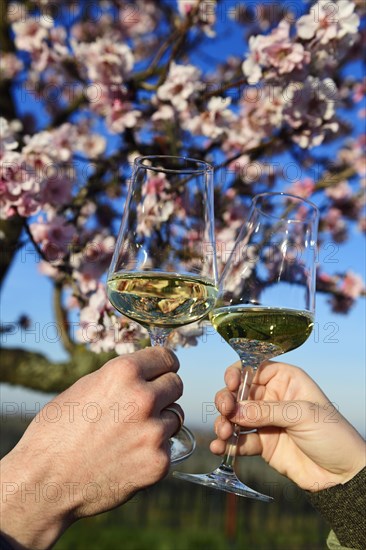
252 353
158 335
247 375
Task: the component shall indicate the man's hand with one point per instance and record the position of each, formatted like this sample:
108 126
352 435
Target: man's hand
92 447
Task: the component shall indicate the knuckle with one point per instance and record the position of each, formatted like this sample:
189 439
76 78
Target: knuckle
162 457
169 358
147 400
129 367
221 400
158 436
218 396
177 384
157 439
123 366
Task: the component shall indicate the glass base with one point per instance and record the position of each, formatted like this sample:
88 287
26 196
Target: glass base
224 480
182 445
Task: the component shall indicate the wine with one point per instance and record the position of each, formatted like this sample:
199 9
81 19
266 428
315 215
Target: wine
161 299
286 329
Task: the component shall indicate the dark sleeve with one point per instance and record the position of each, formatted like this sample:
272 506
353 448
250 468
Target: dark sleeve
343 506
5 544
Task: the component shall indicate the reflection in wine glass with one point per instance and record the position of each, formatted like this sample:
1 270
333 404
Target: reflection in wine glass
266 303
163 271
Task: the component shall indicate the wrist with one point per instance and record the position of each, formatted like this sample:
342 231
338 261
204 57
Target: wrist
31 514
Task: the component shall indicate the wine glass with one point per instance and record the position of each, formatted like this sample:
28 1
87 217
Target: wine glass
163 271
266 303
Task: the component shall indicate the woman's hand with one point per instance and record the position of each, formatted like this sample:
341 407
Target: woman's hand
300 432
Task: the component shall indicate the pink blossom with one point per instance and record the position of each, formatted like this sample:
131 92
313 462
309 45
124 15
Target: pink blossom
30 32
8 133
92 145
103 330
50 270
186 6
152 212
302 188
335 223
257 119
106 62
121 116
225 240
49 148
328 21
274 50
340 192
157 184
54 235
157 205
91 315
181 84
56 190
18 187
215 121
165 112
15 11
116 108
93 261
352 285
206 16
354 154
235 212
72 302
10 65
185 336
27 205
311 109
359 90
139 18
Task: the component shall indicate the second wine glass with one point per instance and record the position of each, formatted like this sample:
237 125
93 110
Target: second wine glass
163 271
266 303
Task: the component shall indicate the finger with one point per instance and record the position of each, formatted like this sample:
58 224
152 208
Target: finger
282 414
232 376
223 428
167 388
225 402
173 419
152 362
218 446
289 376
248 445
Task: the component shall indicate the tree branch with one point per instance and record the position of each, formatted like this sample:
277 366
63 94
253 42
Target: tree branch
10 230
61 319
34 370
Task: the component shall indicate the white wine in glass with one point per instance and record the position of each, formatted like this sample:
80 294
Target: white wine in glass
266 303
163 272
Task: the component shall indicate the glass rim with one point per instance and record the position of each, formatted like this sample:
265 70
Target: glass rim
313 210
202 167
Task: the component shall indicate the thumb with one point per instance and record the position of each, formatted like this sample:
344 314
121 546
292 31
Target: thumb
282 414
